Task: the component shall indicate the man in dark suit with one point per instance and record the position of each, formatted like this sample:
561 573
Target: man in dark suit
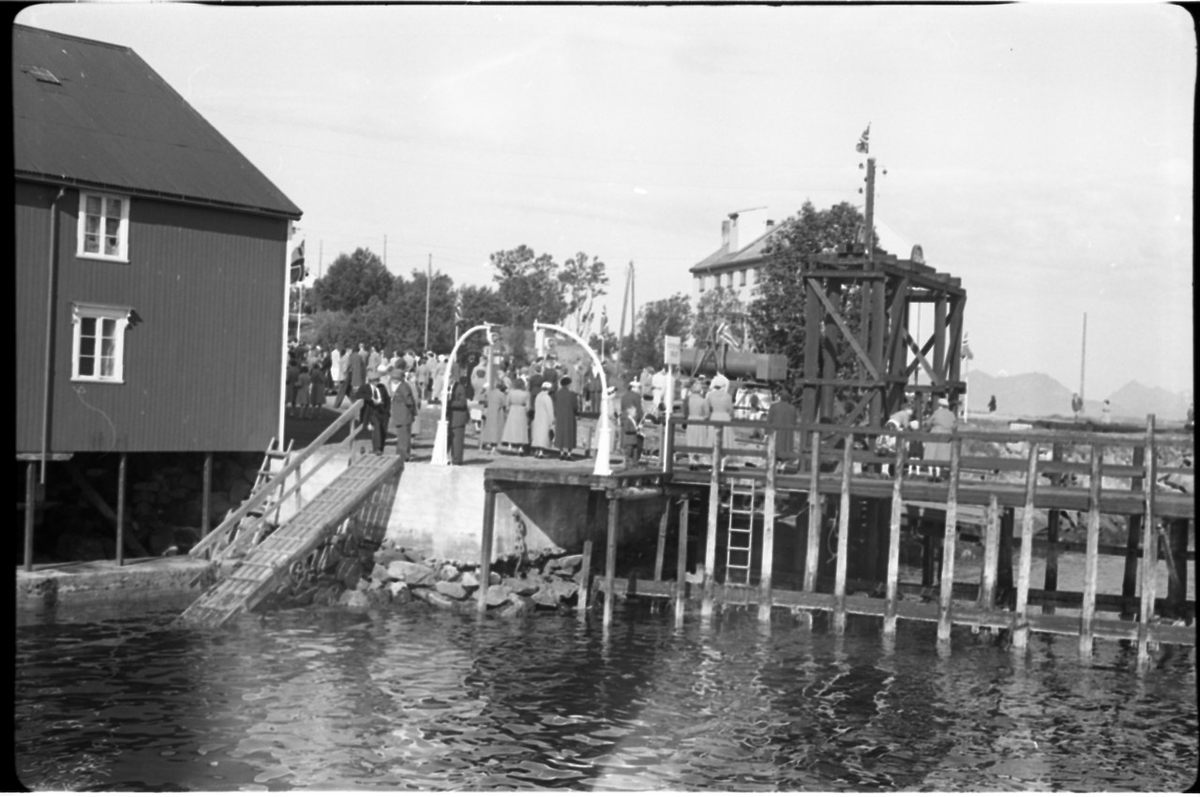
376 403
403 413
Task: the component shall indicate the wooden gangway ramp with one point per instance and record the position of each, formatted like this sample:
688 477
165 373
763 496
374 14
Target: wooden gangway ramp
365 491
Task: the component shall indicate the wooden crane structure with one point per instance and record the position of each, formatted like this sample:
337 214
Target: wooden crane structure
875 371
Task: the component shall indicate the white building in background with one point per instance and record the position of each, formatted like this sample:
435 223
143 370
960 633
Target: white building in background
736 266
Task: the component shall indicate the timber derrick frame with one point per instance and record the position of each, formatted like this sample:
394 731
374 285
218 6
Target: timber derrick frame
880 368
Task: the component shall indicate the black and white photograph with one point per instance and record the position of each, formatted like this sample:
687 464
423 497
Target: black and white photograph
551 397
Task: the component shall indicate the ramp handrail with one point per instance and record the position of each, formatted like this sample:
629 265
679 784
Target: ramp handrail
204 548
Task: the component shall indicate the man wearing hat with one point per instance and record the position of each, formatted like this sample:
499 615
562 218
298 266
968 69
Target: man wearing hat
403 413
376 402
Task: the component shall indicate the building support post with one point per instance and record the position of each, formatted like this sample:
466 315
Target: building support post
1091 567
814 517
206 500
610 562
948 544
681 560
1149 549
893 567
710 533
1129 582
1052 523
585 570
843 554
485 548
659 551
1020 634
768 549
121 510
30 509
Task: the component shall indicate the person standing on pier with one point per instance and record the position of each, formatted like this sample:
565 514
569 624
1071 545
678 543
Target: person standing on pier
460 412
403 413
720 408
942 421
516 424
543 421
697 435
783 416
494 415
566 407
374 413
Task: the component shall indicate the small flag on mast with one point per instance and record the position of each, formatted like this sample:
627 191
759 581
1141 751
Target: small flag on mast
458 311
863 145
298 272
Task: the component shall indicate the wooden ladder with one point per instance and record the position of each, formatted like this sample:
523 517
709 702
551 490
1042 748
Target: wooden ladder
743 499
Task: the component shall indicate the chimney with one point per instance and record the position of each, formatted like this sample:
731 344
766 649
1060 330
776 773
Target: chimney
725 233
770 224
733 235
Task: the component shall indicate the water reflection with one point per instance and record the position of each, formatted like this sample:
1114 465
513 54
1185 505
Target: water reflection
328 700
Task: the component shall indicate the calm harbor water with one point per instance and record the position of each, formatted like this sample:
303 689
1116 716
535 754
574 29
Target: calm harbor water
413 699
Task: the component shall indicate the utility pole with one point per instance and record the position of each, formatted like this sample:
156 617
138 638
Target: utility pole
428 282
1083 357
626 301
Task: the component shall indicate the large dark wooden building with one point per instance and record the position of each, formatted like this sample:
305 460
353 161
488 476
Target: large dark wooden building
150 263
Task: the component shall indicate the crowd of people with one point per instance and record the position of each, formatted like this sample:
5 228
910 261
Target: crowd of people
533 410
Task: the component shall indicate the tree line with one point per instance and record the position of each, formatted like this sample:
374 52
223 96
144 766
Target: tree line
359 300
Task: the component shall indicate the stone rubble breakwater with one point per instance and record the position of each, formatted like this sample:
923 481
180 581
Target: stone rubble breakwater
394 576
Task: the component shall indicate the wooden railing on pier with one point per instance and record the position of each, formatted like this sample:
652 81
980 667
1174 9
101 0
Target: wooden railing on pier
226 533
836 461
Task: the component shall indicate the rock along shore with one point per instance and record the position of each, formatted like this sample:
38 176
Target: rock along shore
395 576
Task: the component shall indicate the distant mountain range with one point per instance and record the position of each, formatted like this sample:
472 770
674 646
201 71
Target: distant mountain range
1039 395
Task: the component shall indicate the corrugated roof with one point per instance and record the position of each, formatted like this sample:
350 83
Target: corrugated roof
112 121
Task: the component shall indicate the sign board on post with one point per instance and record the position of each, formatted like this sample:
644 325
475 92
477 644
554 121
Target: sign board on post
671 345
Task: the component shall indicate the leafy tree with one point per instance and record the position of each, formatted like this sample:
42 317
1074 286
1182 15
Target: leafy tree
583 282
528 285
776 315
407 307
672 316
351 282
719 305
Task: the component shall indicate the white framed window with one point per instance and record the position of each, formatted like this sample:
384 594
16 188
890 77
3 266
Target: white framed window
103 231
98 342
700 284
742 278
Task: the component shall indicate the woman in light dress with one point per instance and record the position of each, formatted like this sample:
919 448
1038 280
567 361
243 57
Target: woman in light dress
697 409
720 408
543 420
516 424
494 402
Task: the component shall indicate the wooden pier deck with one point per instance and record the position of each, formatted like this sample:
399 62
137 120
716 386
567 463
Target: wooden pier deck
835 471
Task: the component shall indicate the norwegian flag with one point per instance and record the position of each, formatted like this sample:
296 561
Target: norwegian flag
298 271
863 145
458 311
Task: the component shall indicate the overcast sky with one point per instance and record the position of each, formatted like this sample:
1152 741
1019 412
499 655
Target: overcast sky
1042 154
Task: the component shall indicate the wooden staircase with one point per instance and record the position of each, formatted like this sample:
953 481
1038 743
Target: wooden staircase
253 553
364 493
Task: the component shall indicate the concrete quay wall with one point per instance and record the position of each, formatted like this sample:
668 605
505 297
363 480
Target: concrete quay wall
439 513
